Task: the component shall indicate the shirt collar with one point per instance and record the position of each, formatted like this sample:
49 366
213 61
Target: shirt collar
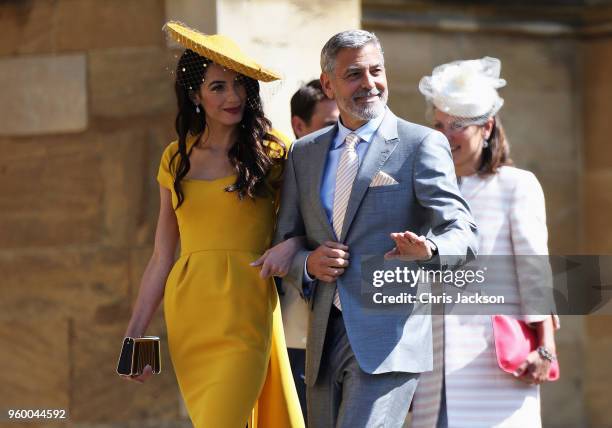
365 131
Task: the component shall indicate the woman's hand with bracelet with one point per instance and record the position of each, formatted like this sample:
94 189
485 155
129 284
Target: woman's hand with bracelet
536 367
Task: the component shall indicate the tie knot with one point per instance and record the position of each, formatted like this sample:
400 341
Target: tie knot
351 140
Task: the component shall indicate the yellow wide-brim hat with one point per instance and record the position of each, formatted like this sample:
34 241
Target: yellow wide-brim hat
220 49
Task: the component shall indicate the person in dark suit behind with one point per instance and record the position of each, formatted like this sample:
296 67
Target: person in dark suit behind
311 109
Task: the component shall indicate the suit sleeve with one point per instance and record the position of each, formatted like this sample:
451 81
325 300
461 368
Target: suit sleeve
290 223
453 229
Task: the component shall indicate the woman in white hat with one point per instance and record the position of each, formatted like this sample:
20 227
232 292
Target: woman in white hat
218 188
467 387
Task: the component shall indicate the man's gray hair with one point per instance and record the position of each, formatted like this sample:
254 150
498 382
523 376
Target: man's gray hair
352 39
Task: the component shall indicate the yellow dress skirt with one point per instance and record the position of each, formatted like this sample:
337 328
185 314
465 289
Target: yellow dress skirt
225 332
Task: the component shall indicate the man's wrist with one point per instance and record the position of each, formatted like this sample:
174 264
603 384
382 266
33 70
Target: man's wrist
433 248
307 277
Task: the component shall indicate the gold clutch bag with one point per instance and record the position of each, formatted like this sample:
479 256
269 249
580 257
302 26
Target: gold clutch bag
138 352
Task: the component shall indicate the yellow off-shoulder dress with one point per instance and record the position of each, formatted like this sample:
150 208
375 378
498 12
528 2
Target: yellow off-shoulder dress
225 332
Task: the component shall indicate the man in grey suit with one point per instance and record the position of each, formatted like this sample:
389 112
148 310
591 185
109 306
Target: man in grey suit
372 184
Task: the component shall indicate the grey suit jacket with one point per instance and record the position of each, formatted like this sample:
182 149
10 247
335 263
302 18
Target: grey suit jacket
426 200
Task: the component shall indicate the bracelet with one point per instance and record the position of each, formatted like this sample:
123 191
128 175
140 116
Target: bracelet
546 354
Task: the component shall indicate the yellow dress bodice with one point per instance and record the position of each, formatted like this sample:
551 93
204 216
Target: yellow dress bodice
224 325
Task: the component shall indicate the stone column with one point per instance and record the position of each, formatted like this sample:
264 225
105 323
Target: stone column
597 209
286 36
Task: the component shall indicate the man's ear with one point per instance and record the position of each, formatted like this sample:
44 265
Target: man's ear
299 126
327 86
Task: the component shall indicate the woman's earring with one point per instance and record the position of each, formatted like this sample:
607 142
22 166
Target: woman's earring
197 109
485 144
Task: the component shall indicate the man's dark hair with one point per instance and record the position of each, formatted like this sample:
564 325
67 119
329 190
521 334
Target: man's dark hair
304 101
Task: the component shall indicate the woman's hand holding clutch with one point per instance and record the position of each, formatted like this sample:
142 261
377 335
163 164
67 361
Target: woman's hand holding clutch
146 374
139 358
534 369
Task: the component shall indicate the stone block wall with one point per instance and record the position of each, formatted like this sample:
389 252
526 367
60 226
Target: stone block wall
597 208
87 109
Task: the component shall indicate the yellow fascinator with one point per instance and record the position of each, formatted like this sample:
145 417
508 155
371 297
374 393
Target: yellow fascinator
220 49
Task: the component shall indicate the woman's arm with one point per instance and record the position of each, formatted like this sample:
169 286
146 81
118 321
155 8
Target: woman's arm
530 246
154 277
529 239
546 335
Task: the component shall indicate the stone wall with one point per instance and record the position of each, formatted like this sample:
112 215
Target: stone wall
597 206
87 108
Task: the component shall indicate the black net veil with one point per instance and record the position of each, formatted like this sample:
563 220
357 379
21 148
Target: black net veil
190 75
188 70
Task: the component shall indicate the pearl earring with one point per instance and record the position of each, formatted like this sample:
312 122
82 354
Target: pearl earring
197 109
485 144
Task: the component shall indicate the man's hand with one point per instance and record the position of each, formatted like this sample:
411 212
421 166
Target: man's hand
409 246
328 261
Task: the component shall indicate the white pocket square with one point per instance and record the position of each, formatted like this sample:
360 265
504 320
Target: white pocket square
382 179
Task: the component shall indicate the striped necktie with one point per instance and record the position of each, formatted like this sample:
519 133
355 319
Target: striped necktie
345 176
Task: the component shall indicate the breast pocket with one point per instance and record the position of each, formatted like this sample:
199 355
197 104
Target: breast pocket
381 198
382 189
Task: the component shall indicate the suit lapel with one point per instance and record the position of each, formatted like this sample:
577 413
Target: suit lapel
318 154
384 142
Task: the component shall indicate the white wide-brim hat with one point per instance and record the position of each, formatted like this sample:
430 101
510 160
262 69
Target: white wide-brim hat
466 89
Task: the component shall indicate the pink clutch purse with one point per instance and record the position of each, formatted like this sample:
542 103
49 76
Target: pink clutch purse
514 340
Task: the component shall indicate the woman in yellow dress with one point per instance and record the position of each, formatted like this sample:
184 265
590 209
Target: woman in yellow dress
218 190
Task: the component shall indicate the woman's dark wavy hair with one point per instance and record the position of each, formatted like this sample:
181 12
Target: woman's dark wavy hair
251 159
497 153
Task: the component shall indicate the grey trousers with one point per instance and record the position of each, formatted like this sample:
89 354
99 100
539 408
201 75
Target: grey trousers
345 396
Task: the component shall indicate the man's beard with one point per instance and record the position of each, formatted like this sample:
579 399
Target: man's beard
370 110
